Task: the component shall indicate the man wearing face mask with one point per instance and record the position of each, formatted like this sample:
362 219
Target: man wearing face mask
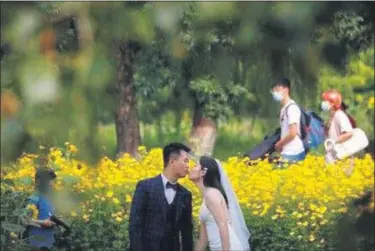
290 144
42 225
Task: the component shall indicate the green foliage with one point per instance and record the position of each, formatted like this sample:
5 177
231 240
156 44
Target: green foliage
113 236
351 29
351 230
13 217
221 56
357 87
216 99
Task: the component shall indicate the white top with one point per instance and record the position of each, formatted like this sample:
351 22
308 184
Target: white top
295 146
340 123
169 192
213 234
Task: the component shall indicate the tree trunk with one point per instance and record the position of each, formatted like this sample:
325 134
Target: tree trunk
177 112
159 130
203 134
126 116
278 67
178 120
252 123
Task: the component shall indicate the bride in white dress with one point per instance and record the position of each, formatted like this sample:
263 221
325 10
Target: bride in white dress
222 223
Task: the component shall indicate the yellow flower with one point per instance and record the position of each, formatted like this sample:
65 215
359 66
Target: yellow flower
13 235
321 209
323 222
34 211
128 198
343 210
311 237
307 194
72 148
312 206
370 103
141 148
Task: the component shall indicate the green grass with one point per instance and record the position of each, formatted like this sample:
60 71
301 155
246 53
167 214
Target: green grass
235 137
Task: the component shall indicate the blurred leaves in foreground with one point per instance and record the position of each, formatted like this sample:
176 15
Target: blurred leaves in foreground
60 68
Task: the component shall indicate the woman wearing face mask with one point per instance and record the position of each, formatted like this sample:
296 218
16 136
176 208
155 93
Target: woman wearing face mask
340 125
222 223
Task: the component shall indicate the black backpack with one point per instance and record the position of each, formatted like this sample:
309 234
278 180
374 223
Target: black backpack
267 146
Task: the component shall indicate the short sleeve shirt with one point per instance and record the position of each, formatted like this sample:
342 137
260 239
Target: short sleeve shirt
295 146
46 210
340 124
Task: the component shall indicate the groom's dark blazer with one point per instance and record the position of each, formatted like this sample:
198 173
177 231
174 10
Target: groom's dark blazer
147 223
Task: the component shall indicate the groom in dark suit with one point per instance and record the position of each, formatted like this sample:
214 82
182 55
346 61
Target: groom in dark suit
161 210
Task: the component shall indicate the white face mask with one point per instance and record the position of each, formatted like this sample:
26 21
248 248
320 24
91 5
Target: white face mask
277 96
326 106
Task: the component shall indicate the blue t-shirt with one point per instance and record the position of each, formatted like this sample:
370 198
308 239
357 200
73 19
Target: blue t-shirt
46 210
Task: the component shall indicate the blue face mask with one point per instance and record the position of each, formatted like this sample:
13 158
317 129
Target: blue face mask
277 96
325 106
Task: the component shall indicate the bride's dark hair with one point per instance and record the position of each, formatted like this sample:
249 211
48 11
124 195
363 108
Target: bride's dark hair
212 176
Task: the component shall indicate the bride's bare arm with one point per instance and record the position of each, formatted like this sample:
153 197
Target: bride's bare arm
203 240
214 203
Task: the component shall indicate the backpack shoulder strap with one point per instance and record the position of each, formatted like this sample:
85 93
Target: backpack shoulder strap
287 107
303 134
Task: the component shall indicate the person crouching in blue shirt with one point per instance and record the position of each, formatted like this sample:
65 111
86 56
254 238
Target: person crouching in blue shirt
40 233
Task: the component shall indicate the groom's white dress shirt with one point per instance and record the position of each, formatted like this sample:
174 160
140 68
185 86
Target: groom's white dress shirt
169 192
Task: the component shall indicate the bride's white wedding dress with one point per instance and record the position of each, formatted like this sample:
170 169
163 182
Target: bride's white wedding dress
213 234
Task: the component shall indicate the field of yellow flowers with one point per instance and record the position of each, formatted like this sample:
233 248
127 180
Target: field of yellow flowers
294 208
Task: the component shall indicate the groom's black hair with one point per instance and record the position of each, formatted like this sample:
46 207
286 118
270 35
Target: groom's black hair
173 149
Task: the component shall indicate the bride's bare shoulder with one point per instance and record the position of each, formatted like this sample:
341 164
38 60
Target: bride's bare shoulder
212 193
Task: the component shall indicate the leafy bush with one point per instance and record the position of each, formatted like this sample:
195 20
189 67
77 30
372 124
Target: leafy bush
13 217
